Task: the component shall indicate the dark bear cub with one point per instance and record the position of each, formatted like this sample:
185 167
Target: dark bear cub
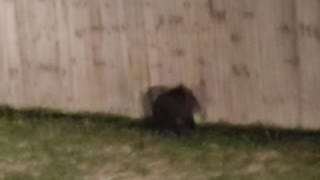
173 110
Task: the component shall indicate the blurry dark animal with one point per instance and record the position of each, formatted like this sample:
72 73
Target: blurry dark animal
173 110
149 97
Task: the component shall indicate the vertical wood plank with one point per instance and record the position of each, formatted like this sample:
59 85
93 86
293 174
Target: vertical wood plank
114 72
46 57
97 31
125 93
3 61
81 63
62 15
170 42
163 42
10 54
308 60
212 58
136 49
24 17
152 49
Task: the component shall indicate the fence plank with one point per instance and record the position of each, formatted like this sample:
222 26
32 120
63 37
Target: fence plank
112 67
80 52
63 49
3 61
46 56
308 61
24 19
137 64
211 57
10 55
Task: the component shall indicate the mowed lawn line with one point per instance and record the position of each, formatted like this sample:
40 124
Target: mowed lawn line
54 146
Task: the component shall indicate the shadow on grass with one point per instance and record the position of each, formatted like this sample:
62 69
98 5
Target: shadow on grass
222 134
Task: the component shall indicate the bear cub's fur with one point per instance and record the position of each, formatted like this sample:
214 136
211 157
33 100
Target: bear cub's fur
173 110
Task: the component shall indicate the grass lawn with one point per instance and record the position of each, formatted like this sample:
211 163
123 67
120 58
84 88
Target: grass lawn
48 145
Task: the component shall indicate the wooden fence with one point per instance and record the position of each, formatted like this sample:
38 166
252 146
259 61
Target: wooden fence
251 61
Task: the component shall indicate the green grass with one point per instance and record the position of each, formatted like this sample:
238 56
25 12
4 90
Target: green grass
45 145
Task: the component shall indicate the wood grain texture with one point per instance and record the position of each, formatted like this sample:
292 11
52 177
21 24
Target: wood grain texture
248 61
308 61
